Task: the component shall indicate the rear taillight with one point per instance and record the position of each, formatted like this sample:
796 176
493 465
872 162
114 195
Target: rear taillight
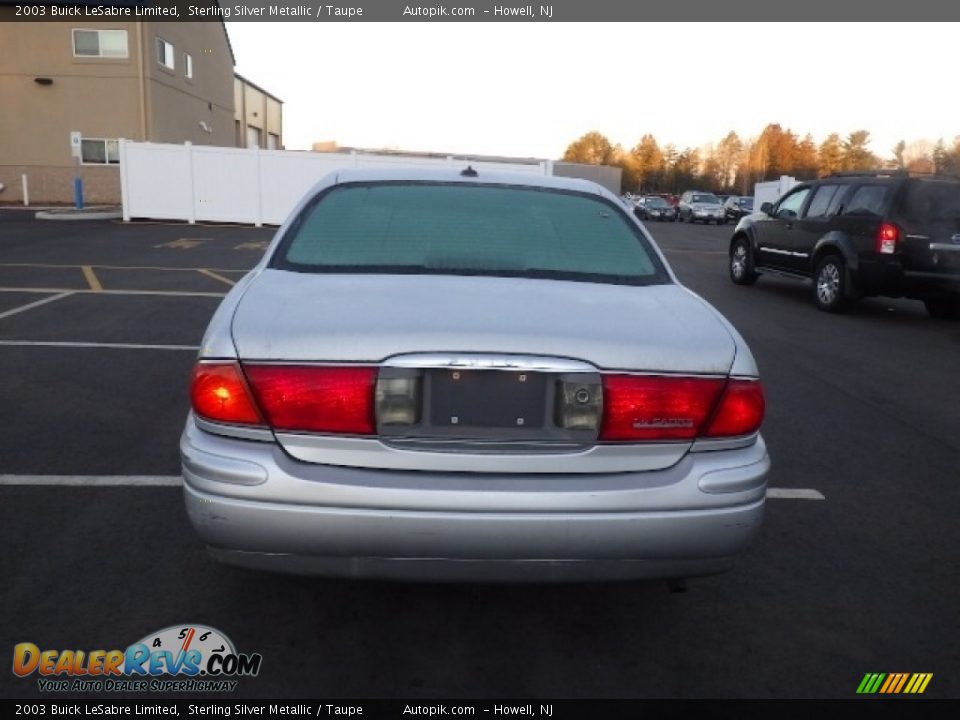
315 399
740 410
219 392
643 408
887 237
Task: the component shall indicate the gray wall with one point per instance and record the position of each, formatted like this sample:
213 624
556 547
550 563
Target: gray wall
605 175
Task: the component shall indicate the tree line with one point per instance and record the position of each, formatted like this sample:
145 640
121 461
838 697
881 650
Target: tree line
733 165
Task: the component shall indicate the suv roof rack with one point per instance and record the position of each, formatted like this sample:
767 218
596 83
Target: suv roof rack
894 172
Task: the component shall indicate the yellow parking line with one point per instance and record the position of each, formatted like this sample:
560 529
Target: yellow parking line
119 267
211 273
91 277
162 293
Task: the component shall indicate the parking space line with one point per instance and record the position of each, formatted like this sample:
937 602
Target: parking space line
794 494
221 278
37 303
93 480
69 291
697 252
91 277
120 267
177 480
108 346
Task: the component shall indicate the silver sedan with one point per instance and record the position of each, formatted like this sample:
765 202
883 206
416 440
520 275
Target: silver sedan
468 375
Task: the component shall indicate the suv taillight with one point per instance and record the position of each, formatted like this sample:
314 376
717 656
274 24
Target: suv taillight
644 408
887 237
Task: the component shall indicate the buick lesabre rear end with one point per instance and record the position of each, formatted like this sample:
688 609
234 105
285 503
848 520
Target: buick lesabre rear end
454 376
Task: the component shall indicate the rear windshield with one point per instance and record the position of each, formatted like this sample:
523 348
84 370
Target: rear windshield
746 202
711 199
926 200
657 202
467 229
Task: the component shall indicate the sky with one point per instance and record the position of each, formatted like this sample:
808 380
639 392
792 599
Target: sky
530 89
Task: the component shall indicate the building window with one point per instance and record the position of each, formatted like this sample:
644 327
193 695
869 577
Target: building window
187 65
100 43
165 54
253 136
273 141
97 151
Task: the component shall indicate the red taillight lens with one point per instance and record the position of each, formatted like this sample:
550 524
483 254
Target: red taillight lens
218 392
639 408
887 237
315 399
740 411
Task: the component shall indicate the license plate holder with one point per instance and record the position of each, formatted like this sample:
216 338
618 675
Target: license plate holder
495 399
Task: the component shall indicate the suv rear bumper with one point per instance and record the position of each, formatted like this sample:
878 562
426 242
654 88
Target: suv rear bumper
888 277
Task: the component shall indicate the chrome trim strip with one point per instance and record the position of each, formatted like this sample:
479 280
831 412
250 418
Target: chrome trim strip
241 432
783 252
940 247
489 361
712 444
917 237
374 453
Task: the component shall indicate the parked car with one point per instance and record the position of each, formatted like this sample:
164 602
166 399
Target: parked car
700 207
736 207
654 207
860 234
445 375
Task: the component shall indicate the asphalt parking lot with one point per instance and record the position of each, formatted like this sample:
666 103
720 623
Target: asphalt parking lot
99 324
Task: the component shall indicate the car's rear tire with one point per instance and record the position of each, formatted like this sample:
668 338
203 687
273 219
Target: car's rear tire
944 308
830 284
741 263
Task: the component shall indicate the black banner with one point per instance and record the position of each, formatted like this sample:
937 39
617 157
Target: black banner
433 708
729 11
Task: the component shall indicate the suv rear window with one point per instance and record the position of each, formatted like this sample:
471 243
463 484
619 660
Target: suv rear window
931 200
866 200
710 199
467 229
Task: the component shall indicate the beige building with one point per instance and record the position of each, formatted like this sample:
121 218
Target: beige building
147 81
258 116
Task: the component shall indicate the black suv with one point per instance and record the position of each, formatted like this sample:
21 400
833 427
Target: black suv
883 233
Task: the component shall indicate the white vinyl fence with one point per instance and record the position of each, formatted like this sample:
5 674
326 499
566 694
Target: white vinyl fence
219 184
771 191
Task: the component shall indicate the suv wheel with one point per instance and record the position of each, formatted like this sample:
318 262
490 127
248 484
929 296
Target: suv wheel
830 284
741 263
944 309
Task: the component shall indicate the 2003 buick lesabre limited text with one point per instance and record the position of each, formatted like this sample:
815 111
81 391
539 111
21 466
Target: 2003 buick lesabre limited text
105 709
471 375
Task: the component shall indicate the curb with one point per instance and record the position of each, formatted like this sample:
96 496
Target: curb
94 213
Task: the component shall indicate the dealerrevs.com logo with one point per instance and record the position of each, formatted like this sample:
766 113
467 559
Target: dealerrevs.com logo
180 658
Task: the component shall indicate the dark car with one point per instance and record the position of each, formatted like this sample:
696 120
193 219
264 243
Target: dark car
736 207
654 207
855 235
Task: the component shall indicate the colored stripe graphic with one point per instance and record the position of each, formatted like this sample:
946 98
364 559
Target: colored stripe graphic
891 680
903 680
894 683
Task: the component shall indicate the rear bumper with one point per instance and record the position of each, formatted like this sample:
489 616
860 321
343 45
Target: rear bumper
564 530
888 277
